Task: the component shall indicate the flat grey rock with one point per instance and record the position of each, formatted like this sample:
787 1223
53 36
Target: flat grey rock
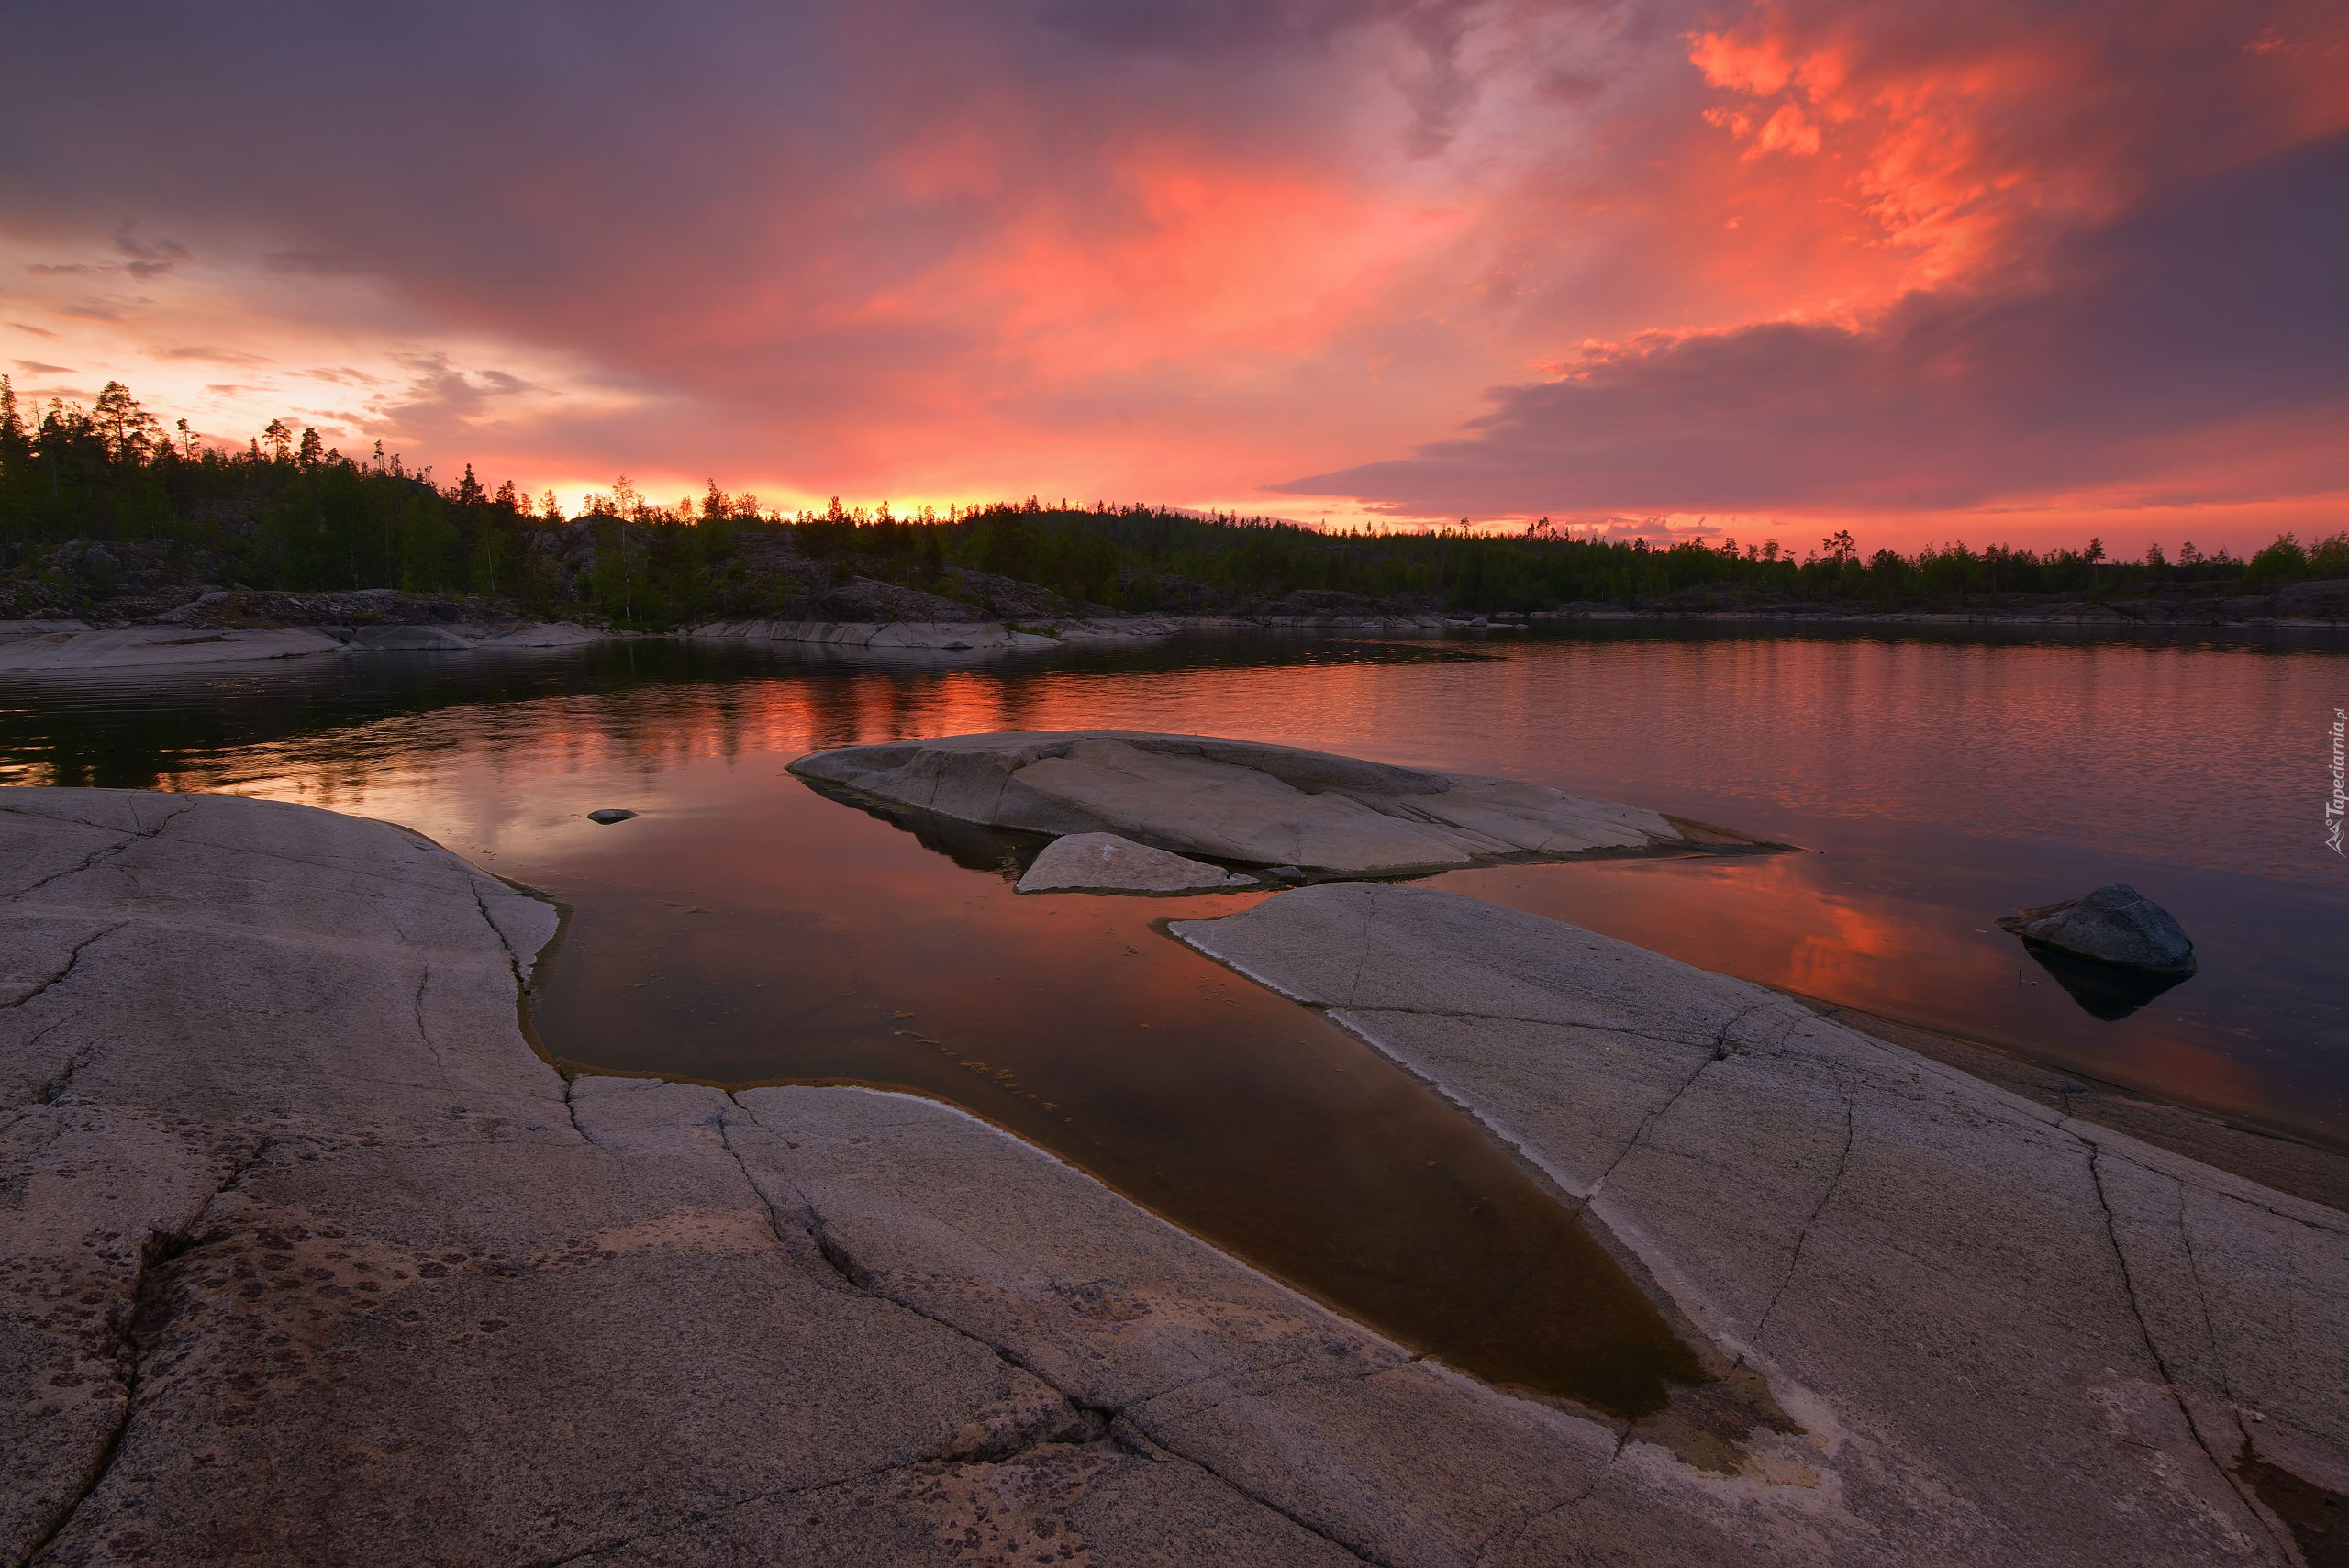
608 814
409 639
2116 924
942 636
1103 862
151 647
560 634
1235 800
310 1259
27 630
2066 1338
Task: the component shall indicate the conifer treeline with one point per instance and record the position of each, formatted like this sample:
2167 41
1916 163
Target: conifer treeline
289 513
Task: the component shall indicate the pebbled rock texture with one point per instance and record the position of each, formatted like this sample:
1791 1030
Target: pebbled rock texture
1103 862
2116 924
1234 800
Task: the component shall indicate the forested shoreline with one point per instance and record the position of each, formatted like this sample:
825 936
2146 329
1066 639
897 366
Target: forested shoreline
106 505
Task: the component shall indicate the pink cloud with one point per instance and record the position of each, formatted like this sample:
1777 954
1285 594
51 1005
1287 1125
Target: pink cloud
1849 254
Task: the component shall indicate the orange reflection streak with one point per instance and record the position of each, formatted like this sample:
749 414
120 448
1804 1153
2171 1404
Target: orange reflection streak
1940 775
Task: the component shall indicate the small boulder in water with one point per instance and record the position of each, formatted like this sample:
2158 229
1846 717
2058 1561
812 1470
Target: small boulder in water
2116 924
1105 862
609 814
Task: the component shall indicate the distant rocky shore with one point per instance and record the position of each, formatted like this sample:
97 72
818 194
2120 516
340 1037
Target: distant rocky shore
220 626
209 625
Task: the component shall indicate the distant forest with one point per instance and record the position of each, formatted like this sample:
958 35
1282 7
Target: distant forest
288 514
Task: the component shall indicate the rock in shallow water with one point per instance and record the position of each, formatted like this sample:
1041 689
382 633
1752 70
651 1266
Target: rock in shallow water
2116 924
609 814
1236 800
1104 862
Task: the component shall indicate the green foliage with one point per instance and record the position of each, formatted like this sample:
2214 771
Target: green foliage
2284 559
286 514
1143 559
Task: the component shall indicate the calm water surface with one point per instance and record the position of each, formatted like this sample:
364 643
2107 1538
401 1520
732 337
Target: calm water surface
743 928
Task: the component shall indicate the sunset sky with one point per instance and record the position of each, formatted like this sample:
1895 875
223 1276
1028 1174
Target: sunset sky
2007 270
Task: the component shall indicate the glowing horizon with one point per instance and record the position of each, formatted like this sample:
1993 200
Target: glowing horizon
1774 269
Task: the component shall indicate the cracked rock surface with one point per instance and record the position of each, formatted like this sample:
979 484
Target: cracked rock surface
1235 800
308 1258
2013 1336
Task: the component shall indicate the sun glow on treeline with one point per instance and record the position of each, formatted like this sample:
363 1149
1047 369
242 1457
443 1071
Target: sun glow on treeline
287 513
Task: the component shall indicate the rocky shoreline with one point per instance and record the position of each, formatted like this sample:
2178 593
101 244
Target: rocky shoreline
225 626
310 1257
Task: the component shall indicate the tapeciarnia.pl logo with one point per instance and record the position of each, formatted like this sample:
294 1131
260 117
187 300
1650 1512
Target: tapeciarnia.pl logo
2335 809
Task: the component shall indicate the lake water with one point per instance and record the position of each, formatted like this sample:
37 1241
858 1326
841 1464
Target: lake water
745 930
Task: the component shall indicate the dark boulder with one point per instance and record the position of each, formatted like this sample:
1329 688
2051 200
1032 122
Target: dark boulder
2116 924
609 814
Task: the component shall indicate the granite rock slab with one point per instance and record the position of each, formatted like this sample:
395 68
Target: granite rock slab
2071 1341
73 649
1104 862
147 646
308 1257
943 636
1235 800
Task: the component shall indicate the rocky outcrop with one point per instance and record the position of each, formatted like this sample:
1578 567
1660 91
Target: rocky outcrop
1103 862
1235 800
2116 925
190 639
308 1258
2082 1346
153 647
955 636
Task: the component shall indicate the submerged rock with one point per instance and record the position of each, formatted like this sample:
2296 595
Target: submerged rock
1235 800
2116 924
1103 862
609 814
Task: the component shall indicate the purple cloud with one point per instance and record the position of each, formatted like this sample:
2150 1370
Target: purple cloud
2218 307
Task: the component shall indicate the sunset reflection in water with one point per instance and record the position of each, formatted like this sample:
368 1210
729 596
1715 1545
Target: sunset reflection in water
1937 782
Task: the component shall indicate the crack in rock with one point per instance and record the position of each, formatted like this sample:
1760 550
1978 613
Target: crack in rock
1720 1053
158 1248
2153 1349
424 1030
1485 1553
1843 1163
90 861
1621 1031
72 959
863 1280
571 1108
